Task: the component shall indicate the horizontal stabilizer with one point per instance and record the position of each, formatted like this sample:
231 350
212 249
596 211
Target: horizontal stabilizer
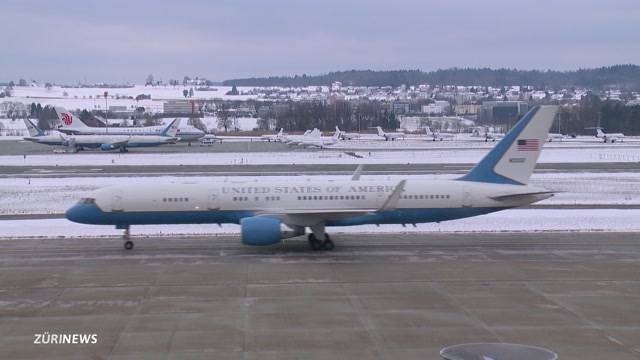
520 196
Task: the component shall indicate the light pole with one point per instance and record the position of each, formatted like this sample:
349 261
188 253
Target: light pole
106 110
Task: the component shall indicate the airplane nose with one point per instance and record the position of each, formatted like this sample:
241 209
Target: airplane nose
83 213
74 213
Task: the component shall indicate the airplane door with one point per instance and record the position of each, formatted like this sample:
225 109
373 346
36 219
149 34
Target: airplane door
466 197
213 200
116 202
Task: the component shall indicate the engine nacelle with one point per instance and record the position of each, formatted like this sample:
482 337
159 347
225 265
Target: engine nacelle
260 231
106 147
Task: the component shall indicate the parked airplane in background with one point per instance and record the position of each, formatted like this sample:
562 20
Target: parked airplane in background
38 135
390 136
274 137
315 139
102 142
347 135
72 125
262 208
609 137
438 136
296 139
555 137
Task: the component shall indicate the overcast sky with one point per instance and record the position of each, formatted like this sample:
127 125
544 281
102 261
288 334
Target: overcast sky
124 41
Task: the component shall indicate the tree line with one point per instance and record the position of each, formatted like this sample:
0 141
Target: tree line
621 76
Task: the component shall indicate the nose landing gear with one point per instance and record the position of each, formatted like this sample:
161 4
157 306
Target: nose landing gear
126 236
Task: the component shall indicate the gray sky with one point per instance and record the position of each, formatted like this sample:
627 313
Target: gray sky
116 41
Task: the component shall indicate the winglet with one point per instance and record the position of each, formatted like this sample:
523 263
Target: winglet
392 200
356 174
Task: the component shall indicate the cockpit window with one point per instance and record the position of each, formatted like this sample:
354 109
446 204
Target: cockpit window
87 201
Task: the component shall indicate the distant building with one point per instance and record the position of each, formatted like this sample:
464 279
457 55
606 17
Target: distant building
400 108
438 108
502 112
467 109
180 107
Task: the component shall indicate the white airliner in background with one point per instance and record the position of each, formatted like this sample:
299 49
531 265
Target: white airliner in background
609 137
315 139
390 136
296 139
274 137
72 125
104 142
271 210
554 136
438 136
347 135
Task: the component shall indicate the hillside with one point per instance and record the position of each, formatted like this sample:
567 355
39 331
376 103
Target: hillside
620 76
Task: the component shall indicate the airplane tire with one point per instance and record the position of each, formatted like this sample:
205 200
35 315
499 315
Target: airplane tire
314 243
328 244
128 245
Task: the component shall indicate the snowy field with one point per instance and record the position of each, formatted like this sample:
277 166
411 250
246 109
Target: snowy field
56 195
516 220
434 156
93 98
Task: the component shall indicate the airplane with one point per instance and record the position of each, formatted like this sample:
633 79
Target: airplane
609 137
498 182
122 142
316 139
390 136
438 135
72 125
347 135
554 136
38 135
488 135
296 139
274 137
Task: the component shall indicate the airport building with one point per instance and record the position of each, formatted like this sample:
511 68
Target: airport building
502 112
180 107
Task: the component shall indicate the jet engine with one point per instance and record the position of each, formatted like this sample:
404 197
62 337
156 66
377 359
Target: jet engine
262 230
106 147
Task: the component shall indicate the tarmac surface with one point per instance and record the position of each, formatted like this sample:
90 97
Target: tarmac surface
289 169
383 297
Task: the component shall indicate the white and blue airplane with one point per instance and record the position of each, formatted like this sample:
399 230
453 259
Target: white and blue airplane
269 211
72 125
104 142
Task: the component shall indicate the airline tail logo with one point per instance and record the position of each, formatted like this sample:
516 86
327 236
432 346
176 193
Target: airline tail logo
66 119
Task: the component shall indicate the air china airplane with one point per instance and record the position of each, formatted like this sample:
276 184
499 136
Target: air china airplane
271 210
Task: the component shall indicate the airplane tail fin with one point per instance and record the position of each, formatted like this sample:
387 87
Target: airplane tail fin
599 133
33 129
513 159
68 120
380 132
172 129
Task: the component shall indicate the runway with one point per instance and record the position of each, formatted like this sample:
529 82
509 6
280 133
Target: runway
383 296
289 169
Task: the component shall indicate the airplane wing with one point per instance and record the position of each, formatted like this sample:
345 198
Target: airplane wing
303 217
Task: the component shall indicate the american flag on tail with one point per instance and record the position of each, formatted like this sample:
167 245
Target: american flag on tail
528 145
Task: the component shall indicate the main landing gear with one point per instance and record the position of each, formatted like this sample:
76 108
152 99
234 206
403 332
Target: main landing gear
318 239
317 245
126 236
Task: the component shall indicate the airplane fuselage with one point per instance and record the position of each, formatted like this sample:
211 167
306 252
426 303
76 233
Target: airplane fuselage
349 202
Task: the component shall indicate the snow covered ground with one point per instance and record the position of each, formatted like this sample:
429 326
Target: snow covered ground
55 195
516 220
434 156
